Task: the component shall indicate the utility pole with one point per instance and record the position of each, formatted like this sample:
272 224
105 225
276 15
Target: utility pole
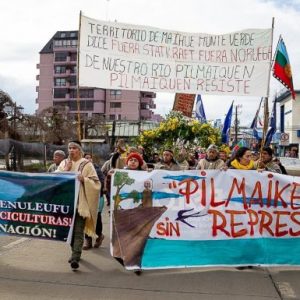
236 123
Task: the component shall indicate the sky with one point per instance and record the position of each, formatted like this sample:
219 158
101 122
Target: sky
26 26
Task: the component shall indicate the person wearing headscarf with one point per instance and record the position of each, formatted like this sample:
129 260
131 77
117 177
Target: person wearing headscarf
168 162
211 161
87 204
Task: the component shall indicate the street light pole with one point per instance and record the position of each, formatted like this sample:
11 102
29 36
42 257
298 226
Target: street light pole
236 126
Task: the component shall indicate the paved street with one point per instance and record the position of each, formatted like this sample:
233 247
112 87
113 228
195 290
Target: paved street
38 269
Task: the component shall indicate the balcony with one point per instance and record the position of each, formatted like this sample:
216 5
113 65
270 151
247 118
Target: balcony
148 95
149 102
145 113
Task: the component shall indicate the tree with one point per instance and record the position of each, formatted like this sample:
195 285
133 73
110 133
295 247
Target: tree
59 127
9 114
120 180
178 131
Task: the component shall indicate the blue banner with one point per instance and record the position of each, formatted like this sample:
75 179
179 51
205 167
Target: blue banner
37 205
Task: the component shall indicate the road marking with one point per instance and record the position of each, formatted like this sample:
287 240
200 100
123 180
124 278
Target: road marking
286 290
13 244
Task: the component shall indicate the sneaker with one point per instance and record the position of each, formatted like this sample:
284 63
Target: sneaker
70 260
87 243
74 264
138 272
99 241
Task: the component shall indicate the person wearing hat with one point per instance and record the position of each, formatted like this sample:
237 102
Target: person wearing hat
168 162
58 156
266 161
134 161
87 204
138 150
211 161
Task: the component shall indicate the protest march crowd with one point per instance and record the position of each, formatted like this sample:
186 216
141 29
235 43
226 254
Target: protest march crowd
95 181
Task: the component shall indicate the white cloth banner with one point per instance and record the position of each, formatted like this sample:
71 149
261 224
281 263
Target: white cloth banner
131 57
165 219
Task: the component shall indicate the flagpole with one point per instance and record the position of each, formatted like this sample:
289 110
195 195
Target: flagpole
266 105
78 90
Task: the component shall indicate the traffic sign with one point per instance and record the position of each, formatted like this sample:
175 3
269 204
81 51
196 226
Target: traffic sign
284 139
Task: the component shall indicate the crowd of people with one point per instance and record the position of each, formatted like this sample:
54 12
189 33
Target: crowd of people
95 181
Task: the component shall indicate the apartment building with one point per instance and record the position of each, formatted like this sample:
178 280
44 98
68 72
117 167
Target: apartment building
58 86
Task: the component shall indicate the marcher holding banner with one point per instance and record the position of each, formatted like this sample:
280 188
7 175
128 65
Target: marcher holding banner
211 160
242 160
168 162
266 162
87 207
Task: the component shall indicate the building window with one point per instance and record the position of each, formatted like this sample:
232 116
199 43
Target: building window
73 69
86 93
61 103
65 43
84 105
73 43
61 56
72 80
62 34
115 92
144 106
72 34
60 69
58 43
112 117
73 56
60 93
60 81
115 105
73 93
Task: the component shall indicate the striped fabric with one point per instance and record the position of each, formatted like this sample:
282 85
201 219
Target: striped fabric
282 69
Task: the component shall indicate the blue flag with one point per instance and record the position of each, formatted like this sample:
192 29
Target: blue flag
200 113
227 125
253 126
272 126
